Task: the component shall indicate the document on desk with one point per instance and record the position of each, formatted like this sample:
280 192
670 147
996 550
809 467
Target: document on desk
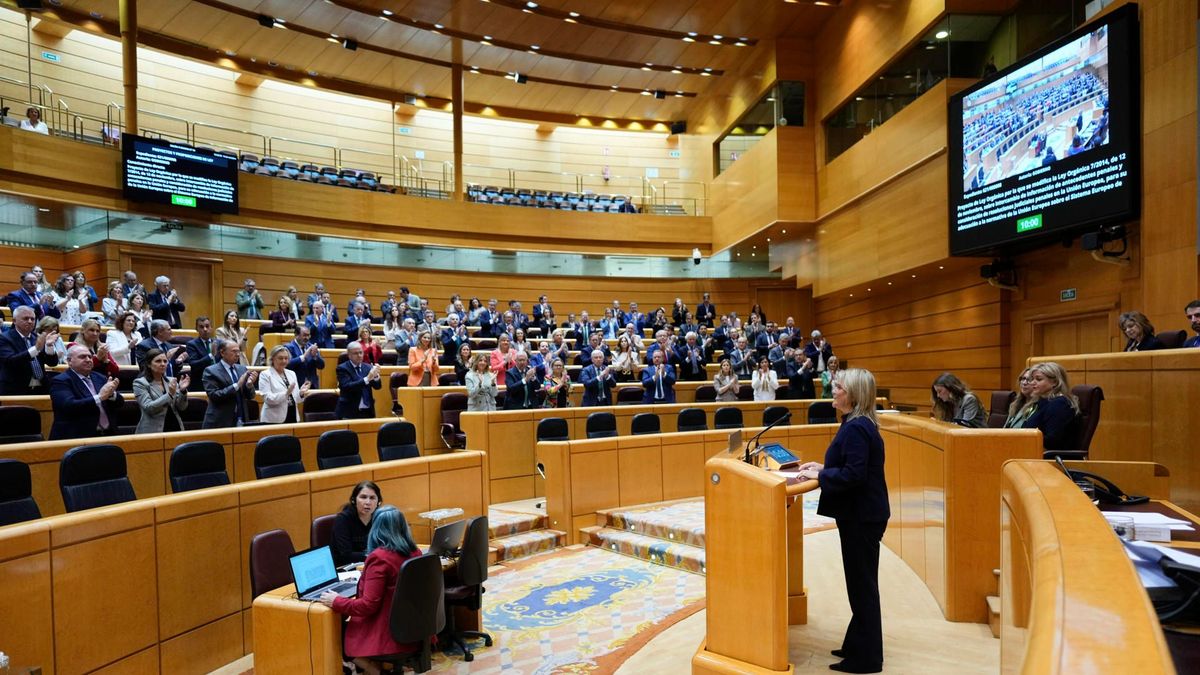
1153 519
1156 552
1145 557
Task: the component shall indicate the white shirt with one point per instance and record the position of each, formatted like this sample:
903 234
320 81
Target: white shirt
273 388
764 387
39 128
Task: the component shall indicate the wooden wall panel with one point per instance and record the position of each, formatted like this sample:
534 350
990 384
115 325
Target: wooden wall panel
29 633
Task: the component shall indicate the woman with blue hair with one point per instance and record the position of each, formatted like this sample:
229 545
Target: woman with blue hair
389 544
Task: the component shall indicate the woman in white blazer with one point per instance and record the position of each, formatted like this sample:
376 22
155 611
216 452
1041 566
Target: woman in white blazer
123 338
764 381
281 395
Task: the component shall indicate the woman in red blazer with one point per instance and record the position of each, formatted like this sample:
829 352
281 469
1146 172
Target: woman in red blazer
372 352
368 633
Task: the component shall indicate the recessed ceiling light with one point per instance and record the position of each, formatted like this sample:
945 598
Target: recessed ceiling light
387 12
676 71
689 39
438 26
535 47
43 209
941 267
852 295
531 5
752 254
768 239
574 15
868 290
942 34
718 37
487 37
645 92
889 283
784 231
914 276
755 247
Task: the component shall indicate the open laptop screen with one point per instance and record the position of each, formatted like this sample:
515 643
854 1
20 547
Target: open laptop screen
312 569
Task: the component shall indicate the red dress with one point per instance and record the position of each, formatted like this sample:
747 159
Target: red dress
368 632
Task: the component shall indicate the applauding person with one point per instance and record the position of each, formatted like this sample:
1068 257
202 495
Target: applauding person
159 397
280 389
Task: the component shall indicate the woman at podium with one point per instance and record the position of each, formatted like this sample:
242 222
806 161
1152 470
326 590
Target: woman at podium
853 493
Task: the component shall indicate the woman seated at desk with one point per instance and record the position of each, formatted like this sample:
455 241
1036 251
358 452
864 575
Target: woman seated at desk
1054 409
353 524
368 632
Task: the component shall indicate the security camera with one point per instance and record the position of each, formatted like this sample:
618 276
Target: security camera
695 256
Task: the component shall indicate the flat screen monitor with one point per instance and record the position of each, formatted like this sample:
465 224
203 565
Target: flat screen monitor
159 171
1049 147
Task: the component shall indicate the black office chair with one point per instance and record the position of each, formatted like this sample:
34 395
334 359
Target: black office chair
321 531
728 418
197 465
692 419
94 475
320 407
472 572
822 412
601 425
397 440
338 448
269 566
418 612
16 493
645 423
20 424
553 429
277 455
998 410
629 395
706 393
773 414
193 415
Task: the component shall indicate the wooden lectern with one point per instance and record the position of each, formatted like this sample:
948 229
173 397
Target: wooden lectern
754 555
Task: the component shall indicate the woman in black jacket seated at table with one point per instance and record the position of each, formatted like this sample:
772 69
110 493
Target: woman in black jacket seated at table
1055 408
354 523
1140 332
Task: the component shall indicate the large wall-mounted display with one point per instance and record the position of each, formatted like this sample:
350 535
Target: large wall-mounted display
166 172
1050 146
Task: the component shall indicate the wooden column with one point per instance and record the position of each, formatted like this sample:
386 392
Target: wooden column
128 10
456 96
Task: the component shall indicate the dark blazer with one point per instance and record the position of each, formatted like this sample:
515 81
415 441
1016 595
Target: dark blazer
1058 422
322 335
16 367
305 369
800 382
351 387
352 325
688 371
18 298
225 401
852 483
451 342
668 385
349 542
594 386
140 350
200 356
1148 345
810 350
705 313
76 414
161 309
521 393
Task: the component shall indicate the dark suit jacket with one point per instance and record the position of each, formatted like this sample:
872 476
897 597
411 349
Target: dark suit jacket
593 385
810 350
351 385
140 349
1148 345
16 368
686 370
1057 421
800 382
352 325
305 369
323 335
521 393
76 414
705 313
225 401
199 357
18 299
161 309
852 483
668 385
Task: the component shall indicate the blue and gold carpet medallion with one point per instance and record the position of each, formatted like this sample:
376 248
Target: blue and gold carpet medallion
554 604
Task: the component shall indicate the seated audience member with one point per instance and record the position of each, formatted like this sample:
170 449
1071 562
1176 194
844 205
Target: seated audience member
659 322
49 325
452 337
25 355
280 389
450 306
522 385
596 342
741 358
89 337
164 302
503 358
481 384
626 359
789 335
130 285
1020 410
547 323
357 317
764 381
598 381
160 339
689 324
305 358
231 331
706 312
90 296
320 326
658 380
353 524
229 386
557 386
85 403
800 376
820 351
355 382
634 334
139 308
123 338
423 362
29 296
202 349
114 304
1193 315
283 317
691 358
726 382
368 631
507 325
249 301
360 297
1140 332
33 122
954 402
372 352
828 376
160 398
633 316
583 330
520 319
780 356
71 302
1055 408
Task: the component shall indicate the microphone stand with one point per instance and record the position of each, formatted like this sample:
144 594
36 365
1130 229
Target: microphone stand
748 454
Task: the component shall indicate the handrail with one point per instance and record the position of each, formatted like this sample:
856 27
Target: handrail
62 111
208 125
120 125
187 125
270 145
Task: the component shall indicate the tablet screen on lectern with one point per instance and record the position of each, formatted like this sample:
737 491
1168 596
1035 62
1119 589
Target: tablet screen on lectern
780 454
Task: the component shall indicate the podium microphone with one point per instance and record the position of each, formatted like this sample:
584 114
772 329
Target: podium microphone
785 417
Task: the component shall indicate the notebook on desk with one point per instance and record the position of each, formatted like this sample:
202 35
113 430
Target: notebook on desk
313 573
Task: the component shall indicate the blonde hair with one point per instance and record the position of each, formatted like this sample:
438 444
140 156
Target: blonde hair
1020 400
480 357
275 350
859 385
1062 385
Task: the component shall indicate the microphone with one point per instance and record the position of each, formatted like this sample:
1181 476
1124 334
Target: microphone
747 459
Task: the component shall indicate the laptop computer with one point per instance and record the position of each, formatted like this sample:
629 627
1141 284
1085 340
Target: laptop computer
447 539
313 573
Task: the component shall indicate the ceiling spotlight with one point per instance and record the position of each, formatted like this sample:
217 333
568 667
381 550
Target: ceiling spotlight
350 43
718 37
942 34
520 79
645 92
574 15
676 71
438 26
266 21
531 5
714 41
387 12
784 232
535 47
689 39
334 39
660 94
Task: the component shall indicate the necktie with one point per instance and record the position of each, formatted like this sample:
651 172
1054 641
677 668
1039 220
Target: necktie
162 346
366 392
233 377
35 365
601 383
103 415
658 393
525 386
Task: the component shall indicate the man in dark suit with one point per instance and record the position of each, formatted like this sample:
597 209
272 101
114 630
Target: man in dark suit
584 330
165 303
452 338
306 358
85 402
692 359
596 343
130 285
24 357
706 312
598 381
522 383
742 359
541 309
819 350
160 339
520 319
489 321
320 326
229 385
800 376
28 296
357 319
658 379
662 343
633 316
201 349
355 382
